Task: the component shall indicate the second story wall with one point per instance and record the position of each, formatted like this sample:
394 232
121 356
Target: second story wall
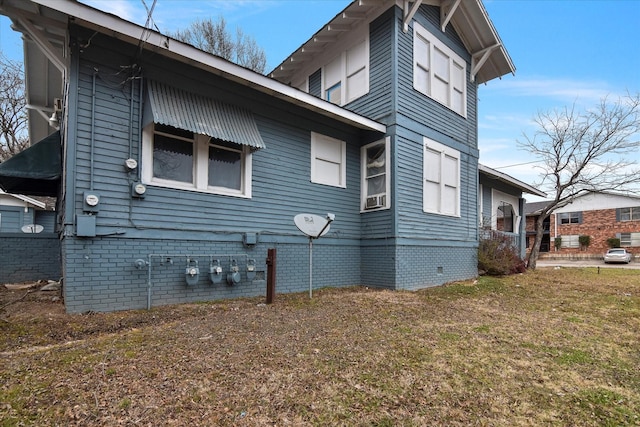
416 106
108 118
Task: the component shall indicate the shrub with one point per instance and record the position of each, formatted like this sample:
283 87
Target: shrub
613 242
557 242
584 240
497 256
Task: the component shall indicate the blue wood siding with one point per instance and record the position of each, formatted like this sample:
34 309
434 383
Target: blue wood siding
47 219
11 219
281 184
378 103
419 107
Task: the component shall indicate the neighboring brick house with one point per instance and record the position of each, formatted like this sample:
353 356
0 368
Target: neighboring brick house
601 216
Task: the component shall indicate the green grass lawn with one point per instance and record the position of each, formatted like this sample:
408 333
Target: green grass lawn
552 347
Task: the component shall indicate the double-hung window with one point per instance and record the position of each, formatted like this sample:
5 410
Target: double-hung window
328 160
570 218
184 160
629 214
376 182
346 77
441 179
438 71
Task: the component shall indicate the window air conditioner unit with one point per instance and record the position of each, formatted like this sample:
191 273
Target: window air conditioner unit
377 201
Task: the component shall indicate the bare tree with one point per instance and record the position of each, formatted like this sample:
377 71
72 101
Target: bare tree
13 115
213 37
585 151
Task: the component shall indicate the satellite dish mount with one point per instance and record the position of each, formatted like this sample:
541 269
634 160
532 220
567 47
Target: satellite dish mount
314 227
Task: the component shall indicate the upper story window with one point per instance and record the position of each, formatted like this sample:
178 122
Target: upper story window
328 161
629 214
438 71
376 182
177 158
346 77
570 218
441 179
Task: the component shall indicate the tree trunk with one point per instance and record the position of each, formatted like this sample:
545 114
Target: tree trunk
535 249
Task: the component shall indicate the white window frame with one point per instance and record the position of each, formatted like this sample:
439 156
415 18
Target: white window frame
341 62
200 167
316 156
427 66
569 241
633 212
629 239
445 153
386 196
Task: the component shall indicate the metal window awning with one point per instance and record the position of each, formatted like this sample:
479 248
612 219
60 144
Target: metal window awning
201 115
34 171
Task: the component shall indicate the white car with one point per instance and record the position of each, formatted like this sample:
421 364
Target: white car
617 255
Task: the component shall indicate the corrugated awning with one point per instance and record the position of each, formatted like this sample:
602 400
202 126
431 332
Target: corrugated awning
202 115
34 171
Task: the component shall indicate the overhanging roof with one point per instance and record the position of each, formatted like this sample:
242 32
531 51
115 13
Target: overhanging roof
468 17
35 18
526 188
35 171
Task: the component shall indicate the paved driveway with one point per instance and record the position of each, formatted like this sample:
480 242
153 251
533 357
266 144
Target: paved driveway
585 263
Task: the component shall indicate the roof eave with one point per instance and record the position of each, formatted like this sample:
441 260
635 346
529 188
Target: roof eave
127 31
526 188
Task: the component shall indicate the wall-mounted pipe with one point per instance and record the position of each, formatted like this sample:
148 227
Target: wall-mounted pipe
93 121
149 265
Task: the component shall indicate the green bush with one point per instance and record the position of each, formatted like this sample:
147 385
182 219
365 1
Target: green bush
557 242
584 240
613 242
497 256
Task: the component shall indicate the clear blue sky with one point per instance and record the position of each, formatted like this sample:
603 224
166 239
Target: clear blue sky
564 51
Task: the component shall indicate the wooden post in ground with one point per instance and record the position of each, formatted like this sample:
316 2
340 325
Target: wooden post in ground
271 275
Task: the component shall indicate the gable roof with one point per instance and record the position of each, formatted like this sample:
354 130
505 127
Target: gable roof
534 208
526 188
44 24
585 201
469 18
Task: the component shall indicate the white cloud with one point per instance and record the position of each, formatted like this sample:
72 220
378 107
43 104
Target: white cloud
580 91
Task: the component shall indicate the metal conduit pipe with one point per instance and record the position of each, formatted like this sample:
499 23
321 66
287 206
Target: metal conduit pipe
189 256
93 120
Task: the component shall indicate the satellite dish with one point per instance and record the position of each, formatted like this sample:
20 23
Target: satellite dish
312 225
32 228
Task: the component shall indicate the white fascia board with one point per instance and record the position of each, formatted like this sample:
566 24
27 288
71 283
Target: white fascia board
511 180
114 26
25 199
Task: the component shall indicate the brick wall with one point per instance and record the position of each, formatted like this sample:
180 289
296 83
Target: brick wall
599 224
100 273
27 258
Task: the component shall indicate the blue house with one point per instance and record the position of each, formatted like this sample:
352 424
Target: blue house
179 169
